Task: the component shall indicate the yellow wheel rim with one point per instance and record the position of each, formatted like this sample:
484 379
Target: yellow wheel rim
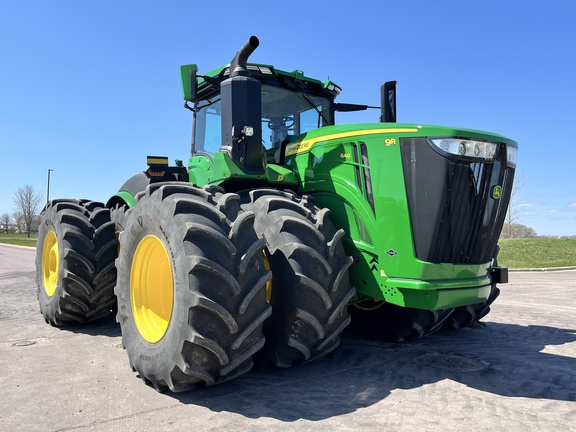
151 288
50 263
269 283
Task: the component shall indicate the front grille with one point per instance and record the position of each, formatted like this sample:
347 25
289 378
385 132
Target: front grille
454 217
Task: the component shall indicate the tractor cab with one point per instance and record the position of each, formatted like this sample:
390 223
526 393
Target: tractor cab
246 114
291 104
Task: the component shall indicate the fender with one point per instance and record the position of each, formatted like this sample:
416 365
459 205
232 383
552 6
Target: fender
128 191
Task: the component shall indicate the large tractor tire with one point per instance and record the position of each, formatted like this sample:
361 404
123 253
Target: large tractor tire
465 316
75 255
310 286
385 321
191 287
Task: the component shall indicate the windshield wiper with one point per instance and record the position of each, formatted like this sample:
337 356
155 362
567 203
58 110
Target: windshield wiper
307 99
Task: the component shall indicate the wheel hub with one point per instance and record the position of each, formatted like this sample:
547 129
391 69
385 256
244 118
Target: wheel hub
50 264
151 288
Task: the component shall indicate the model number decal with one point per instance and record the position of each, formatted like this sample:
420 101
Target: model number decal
306 145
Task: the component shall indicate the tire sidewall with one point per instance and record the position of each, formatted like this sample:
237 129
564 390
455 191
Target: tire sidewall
161 224
49 305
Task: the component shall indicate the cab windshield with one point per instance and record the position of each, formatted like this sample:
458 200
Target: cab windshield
285 113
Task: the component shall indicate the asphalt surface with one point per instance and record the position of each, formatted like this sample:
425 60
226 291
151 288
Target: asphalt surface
518 373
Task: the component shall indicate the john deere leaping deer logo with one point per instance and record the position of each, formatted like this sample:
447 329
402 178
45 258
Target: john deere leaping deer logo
497 192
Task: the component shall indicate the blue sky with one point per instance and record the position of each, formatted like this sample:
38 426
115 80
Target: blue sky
88 89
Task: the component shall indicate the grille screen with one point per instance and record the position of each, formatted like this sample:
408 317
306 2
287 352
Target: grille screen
454 217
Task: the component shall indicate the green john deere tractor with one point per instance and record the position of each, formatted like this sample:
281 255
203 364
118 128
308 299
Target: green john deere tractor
281 230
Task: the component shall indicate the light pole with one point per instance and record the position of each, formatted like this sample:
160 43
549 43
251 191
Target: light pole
48 192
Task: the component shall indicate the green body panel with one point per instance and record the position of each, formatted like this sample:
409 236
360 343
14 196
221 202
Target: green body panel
203 170
324 164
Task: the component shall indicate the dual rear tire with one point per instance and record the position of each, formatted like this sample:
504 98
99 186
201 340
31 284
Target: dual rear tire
198 299
191 287
310 288
75 255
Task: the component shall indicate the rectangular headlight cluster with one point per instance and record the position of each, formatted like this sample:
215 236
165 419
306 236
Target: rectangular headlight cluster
468 149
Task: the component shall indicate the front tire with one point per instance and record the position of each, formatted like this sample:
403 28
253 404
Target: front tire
75 255
466 316
388 322
191 287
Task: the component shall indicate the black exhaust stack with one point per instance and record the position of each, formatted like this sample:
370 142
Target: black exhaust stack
242 112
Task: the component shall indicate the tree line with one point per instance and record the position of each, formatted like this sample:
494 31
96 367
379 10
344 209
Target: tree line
24 218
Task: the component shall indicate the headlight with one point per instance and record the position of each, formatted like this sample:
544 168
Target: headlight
512 154
470 149
332 87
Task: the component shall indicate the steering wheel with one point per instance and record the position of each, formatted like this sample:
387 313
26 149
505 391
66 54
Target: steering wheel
281 123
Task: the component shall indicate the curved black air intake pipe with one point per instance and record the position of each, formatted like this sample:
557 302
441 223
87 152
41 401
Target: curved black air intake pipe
238 65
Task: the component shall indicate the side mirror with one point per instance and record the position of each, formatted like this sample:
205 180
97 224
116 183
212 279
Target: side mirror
388 102
188 77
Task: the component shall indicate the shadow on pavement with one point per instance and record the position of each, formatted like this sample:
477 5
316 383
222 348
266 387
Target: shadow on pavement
103 327
361 373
